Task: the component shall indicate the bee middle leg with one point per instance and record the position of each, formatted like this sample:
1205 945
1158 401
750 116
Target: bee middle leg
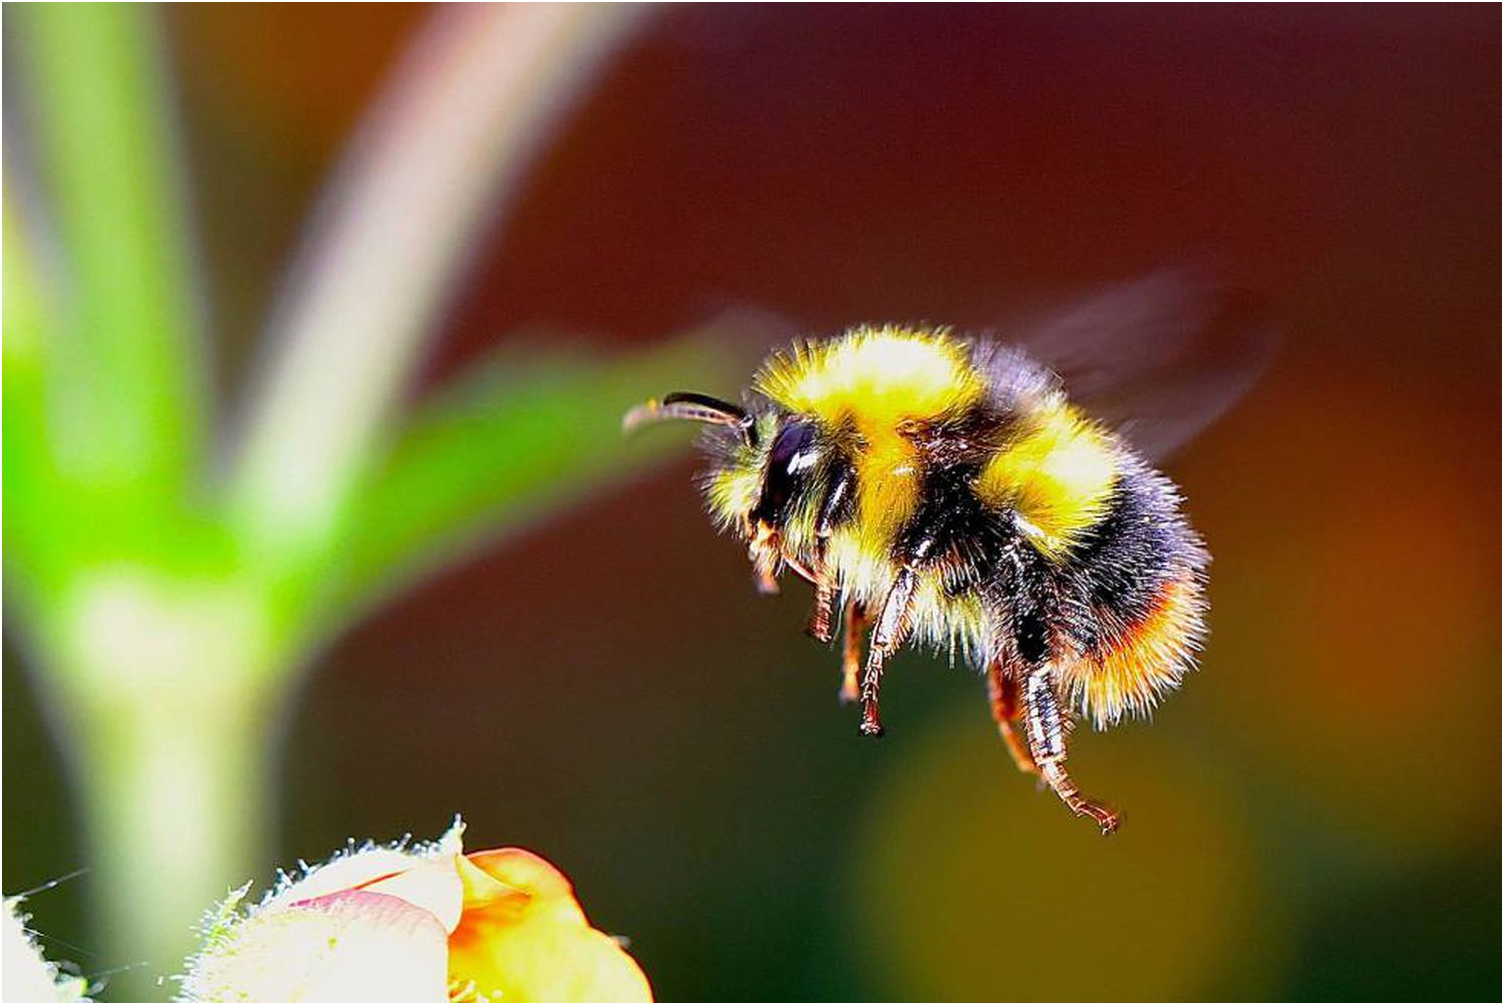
855 619
1047 730
890 631
1002 692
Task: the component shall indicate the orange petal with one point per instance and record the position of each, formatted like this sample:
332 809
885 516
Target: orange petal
508 879
543 962
523 937
522 870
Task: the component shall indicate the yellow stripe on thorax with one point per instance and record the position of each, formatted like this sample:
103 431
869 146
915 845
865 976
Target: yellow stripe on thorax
877 377
888 479
1058 476
870 384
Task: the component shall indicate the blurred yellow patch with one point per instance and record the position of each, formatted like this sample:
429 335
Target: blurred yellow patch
970 886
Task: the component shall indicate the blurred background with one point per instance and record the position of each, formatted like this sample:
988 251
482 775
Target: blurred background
1316 815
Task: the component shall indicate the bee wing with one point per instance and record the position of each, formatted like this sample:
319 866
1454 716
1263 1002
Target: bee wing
1159 359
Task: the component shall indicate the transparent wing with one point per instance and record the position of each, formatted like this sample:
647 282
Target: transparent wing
1159 358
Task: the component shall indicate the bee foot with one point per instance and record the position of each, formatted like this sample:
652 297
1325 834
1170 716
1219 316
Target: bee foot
1106 819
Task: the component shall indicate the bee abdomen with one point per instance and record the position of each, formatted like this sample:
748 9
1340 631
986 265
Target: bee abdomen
1141 542
1138 577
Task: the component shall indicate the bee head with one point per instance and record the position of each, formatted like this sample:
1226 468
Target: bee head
763 476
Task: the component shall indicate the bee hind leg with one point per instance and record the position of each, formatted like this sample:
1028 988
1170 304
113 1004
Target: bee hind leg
1047 728
1002 692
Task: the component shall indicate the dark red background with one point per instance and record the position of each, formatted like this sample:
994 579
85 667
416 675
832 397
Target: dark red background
1315 816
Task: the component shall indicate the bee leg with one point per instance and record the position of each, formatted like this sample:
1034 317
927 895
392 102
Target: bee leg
822 617
887 635
767 560
851 650
837 501
1047 729
1002 690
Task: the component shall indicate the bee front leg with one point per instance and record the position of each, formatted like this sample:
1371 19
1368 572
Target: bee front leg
1002 692
851 650
1047 728
888 634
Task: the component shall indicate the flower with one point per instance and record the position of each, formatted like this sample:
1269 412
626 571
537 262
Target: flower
428 923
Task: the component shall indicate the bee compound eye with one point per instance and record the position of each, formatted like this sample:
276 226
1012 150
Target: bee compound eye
791 459
794 448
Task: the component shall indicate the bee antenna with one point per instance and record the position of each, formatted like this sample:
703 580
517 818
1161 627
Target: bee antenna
696 408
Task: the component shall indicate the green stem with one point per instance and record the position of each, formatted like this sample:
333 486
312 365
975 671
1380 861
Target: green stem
169 716
106 152
173 809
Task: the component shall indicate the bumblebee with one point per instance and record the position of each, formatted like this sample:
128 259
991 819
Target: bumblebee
952 491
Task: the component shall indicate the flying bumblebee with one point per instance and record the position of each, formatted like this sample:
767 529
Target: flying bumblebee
991 498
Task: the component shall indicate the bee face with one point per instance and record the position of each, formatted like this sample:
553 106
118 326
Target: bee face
946 490
788 478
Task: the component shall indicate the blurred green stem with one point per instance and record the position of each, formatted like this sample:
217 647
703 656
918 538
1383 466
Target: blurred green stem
163 683
178 804
108 159
440 155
